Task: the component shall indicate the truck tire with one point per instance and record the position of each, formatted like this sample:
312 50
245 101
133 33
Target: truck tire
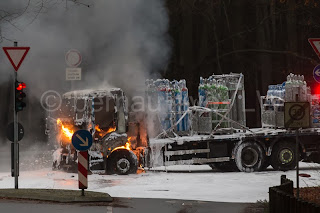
249 157
283 156
225 166
122 162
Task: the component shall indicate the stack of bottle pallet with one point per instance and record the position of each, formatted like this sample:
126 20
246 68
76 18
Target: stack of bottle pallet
217 93
294 89
170 101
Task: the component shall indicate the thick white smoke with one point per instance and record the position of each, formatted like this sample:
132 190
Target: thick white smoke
121 41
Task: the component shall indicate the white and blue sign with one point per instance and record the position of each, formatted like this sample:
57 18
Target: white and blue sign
82 140
316 73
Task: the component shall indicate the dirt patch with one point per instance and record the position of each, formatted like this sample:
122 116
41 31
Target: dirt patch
310 194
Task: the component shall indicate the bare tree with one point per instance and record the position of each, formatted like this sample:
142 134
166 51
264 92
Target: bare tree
30 11
18 17
264 39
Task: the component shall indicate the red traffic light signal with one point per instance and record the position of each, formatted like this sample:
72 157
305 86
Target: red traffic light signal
20 95
20 86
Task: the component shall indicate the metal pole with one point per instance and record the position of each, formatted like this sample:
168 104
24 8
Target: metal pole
297 161
72 85
297 153
15 139
82 192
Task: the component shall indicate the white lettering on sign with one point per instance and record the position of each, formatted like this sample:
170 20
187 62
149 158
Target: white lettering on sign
73 74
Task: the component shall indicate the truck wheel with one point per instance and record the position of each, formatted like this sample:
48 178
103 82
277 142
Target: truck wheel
283 156
122 162
225 166
249 157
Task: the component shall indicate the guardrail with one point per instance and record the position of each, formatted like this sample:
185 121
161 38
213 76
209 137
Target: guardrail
282 200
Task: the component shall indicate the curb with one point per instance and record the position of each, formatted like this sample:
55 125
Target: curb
55 195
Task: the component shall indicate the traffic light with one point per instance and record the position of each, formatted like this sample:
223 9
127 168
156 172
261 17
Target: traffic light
20 95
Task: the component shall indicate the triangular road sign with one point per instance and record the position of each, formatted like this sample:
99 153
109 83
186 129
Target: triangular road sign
315 43
16 55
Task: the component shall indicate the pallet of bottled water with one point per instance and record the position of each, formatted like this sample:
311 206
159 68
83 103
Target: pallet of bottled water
170 101
272 109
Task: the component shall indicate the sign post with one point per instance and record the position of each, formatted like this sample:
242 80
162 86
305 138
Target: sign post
73 72
83 171
11 137
82 141
297 162
16 55
297 116
15 135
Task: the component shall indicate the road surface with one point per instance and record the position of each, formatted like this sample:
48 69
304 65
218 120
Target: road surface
196 182
125 205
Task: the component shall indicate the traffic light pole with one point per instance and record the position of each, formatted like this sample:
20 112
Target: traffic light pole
15 139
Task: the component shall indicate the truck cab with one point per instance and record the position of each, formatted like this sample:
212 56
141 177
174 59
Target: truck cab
104 113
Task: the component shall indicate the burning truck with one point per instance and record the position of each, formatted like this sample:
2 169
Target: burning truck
118 147
170 132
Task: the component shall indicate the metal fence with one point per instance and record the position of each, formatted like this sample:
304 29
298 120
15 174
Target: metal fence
282 200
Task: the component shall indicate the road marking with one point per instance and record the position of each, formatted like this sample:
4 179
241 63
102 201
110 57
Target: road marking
109 209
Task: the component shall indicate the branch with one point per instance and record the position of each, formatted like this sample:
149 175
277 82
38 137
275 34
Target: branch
79 3
41 6
252 29
312 61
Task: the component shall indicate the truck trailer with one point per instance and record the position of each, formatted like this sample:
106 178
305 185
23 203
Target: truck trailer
173 133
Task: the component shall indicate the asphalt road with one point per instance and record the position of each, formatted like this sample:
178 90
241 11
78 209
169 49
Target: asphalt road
124 205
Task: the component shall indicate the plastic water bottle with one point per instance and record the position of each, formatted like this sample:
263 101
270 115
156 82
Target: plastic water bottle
185 105
283 91
169 104
162 102
178 102
288 88
202 93
295 87
269 92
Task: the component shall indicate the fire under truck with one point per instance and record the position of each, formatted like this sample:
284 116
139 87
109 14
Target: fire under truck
214 132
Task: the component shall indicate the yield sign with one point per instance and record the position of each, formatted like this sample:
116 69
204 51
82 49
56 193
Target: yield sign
315 43
16 55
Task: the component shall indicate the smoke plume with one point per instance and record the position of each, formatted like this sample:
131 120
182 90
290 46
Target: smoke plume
122 42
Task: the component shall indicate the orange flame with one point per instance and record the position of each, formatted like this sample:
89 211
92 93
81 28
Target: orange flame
127 146
98 128
112 129
102 132
67 132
